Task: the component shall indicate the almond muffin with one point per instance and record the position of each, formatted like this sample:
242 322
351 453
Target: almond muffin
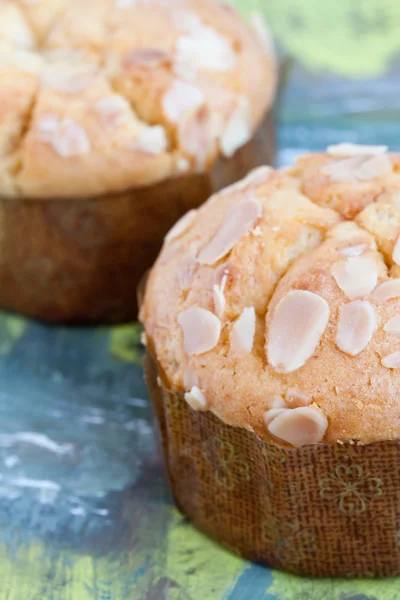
272 318
114 121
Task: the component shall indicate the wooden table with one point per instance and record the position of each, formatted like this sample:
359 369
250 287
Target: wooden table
85 512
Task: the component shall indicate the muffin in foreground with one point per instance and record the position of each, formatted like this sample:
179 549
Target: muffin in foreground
113 123
272 320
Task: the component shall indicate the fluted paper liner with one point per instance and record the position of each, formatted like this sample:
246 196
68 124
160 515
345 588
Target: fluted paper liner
80 259
320 510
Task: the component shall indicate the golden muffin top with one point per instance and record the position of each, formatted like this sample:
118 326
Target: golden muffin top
276 305
105 95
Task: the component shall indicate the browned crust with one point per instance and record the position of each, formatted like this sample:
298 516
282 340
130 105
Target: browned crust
293 247
58 65
80 260
328 510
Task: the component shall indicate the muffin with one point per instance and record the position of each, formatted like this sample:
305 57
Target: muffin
115 120
272 321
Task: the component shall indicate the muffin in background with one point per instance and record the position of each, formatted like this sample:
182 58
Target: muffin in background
272 325
115 121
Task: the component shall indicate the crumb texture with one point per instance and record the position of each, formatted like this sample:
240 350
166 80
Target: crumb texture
279 300
124 93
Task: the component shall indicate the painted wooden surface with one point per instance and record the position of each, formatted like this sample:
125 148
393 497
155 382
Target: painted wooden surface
85 512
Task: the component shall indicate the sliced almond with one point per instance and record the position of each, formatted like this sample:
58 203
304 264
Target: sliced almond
342 170
221 275
387 290
201 330
295 398
198 132
255 177
47 126
297 325
219 297
196 399
204 48
392 361
396 252
300 426
349 149
278 402
272 413
190 379
181 226
112 111
150 140
186 269
393 325
67 137
23 60
377 166
181 98
356 276
70 79
219 301
239 221
353 250
357 324
14 27
243 330
237 131
358 168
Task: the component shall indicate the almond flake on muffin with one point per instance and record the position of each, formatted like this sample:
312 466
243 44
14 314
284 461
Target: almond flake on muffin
293 303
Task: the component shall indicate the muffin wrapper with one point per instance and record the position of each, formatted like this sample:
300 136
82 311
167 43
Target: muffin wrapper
81 259
320 510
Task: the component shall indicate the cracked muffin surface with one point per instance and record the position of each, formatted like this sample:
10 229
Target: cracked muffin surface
124 93
276 305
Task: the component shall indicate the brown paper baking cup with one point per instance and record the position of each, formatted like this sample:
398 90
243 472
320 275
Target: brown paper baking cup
80 259
324 510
